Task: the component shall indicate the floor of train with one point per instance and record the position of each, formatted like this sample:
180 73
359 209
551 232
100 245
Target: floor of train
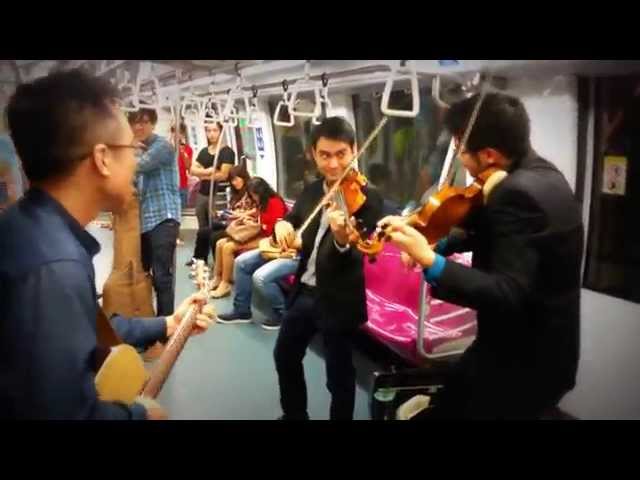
228 373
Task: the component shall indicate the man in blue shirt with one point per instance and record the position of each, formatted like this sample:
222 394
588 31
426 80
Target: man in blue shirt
157 179
527 240
77 150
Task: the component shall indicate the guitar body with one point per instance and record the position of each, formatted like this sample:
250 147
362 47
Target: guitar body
122 376
268 251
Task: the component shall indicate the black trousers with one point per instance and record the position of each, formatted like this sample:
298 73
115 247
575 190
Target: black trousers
206 240
158 249
297 330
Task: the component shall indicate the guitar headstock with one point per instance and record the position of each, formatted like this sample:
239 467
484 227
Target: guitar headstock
203 281
202 276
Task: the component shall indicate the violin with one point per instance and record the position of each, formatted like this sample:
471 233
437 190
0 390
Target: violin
445 209
351 189
448 207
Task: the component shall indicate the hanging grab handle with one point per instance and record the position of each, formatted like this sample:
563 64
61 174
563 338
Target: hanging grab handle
435 92
402 72
192 109
317 107
129 94
153 100
285 102
212 110
324 100
254 112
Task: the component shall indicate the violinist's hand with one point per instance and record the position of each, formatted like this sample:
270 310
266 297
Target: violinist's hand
408 261
285 234
339 224
203 320
408 239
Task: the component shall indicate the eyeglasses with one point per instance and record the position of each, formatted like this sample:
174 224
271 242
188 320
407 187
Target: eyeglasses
139 148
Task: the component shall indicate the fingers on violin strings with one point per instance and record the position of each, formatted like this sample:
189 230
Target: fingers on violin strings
386 221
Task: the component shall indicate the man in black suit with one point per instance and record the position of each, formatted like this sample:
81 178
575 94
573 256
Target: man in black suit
527 243
328 295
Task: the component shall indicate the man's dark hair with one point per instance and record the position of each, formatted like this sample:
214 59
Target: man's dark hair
259 187
55 120
502 124
138 115
334 128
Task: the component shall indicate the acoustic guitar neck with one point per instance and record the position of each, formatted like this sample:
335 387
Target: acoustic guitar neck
176 343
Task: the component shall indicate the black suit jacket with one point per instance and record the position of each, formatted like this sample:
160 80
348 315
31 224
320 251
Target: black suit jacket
339 276
527 244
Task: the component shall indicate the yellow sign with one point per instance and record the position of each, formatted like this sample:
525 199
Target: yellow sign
614 178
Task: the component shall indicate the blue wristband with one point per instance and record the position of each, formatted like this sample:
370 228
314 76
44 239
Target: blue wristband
432 274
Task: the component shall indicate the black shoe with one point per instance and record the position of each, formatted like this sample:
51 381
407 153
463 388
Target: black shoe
271 324
234 317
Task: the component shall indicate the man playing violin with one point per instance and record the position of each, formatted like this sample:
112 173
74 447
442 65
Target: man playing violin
527 242
328 295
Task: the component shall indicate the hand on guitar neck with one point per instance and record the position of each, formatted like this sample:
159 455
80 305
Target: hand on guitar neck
153 408
203 321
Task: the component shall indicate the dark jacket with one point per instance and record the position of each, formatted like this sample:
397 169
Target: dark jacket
339 276
527 245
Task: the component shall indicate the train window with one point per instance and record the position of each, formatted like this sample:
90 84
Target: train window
406 159
613 248
296 167
245 139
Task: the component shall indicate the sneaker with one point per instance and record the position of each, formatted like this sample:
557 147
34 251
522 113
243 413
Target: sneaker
234 317
271 324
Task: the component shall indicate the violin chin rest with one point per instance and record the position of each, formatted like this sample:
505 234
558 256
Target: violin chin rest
491 183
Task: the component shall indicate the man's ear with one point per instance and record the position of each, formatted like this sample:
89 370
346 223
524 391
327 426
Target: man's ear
101 160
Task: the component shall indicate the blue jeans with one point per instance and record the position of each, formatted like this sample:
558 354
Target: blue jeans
265 274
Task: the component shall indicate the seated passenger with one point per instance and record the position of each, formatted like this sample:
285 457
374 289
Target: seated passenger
265 274
271 208
241 203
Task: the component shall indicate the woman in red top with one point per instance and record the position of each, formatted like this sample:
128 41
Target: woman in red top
184 162
271 208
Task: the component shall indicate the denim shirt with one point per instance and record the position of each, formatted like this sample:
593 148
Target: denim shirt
157 176
48 306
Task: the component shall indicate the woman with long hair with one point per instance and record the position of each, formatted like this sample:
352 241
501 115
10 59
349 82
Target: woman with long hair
241 204
270 209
